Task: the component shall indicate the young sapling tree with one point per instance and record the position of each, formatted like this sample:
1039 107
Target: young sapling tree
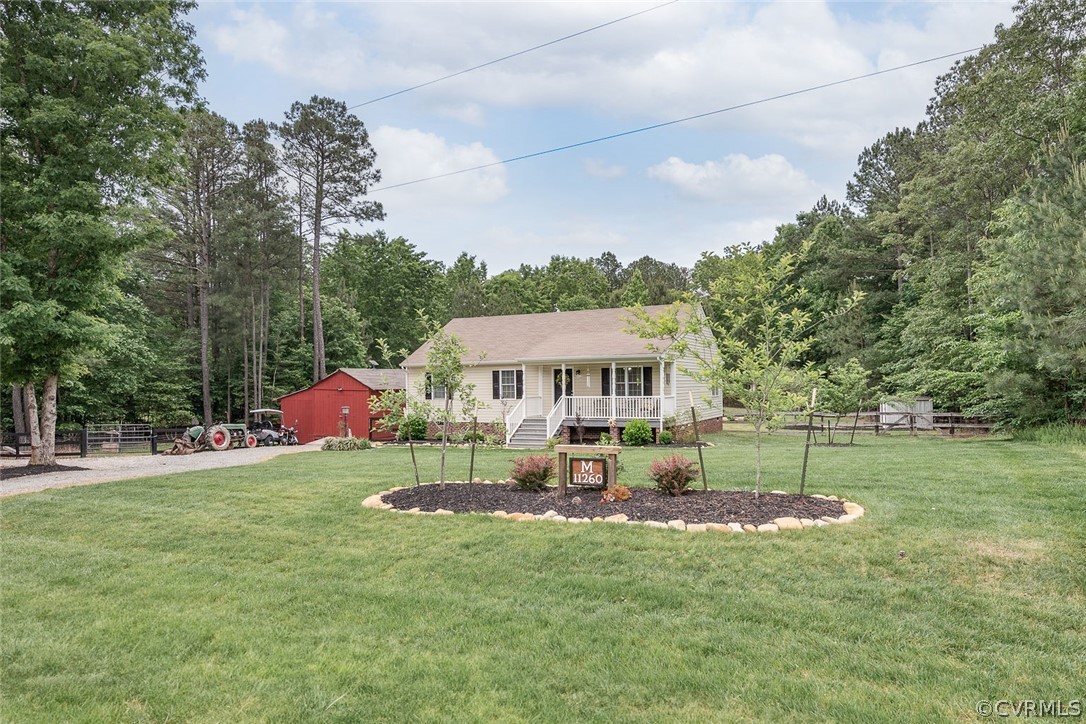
753 346
445 371
844 391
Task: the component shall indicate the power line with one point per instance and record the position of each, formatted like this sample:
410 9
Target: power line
511 55
676 121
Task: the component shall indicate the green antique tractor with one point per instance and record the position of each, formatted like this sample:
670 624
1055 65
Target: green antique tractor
221 436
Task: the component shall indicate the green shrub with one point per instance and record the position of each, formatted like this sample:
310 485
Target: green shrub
417 424
494 440
637 432
532 472
673 474
477 436
605 438
346 443
665 437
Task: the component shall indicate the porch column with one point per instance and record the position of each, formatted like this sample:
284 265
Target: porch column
662 380
613 382
562 386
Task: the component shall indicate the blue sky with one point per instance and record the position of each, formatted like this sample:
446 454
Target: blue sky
671 193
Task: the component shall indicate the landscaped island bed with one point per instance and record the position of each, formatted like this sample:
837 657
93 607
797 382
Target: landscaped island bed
695 506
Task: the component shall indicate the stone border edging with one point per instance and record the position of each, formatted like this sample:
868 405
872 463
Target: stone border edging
853 512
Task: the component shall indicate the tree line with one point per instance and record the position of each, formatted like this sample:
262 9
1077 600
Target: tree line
160 263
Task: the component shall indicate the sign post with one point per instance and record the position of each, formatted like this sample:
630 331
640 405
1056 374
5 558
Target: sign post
586 471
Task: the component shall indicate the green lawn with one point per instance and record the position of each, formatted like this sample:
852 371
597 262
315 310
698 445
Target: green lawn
268 594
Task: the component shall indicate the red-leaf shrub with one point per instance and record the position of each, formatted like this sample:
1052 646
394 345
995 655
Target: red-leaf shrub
532 472
673 474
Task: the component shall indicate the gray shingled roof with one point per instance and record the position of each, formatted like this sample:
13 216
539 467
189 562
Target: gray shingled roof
378 379
589 334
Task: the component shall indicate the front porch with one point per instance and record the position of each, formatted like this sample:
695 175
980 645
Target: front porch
589 393
590 412
596 411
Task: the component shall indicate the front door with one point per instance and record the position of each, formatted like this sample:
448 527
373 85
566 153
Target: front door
558 386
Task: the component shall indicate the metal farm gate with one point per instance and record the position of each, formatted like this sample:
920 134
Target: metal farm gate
117 438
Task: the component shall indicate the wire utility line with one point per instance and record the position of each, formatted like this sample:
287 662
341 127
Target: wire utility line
664 124
512 55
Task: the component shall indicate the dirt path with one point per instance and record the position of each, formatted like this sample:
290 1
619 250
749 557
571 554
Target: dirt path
107 469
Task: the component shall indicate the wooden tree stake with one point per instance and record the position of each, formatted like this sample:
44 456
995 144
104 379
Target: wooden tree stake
471 465
807 447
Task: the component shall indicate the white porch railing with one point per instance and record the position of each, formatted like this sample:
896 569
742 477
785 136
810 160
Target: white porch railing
619 408
554 420
513 420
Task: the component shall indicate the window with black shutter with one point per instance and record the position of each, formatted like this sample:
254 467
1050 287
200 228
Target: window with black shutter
434 392
508 384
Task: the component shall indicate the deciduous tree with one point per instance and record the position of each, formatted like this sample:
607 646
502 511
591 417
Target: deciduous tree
88 93
753 349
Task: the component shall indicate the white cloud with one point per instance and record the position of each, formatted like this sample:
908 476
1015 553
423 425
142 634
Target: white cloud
406 155
469 113
310 45
680 60
602 169
688 59
738 180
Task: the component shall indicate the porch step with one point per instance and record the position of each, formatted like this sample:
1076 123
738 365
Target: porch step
532 433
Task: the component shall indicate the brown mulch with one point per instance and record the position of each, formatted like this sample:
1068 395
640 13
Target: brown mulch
696 506
6 473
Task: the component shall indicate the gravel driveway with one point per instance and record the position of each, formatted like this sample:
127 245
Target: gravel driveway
106 469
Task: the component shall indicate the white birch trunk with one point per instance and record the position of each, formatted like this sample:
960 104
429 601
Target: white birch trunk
49 421
30 402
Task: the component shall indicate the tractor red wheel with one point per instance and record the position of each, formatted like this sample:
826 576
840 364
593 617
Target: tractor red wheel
250 440
218 438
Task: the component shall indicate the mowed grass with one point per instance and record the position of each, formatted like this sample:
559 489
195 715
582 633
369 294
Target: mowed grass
267 593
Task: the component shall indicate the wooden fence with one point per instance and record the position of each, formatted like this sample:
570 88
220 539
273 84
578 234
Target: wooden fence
940 423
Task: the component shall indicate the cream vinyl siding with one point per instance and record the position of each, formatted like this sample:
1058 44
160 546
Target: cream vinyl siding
707 405
490 410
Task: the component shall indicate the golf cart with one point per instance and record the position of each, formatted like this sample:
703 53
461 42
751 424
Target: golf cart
268 432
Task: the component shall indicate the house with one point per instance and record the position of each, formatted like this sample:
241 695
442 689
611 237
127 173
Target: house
536 374
339 404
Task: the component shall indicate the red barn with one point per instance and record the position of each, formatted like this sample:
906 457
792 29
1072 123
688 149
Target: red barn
339 404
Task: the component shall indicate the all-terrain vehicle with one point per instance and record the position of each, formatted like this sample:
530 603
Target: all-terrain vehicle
272 433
